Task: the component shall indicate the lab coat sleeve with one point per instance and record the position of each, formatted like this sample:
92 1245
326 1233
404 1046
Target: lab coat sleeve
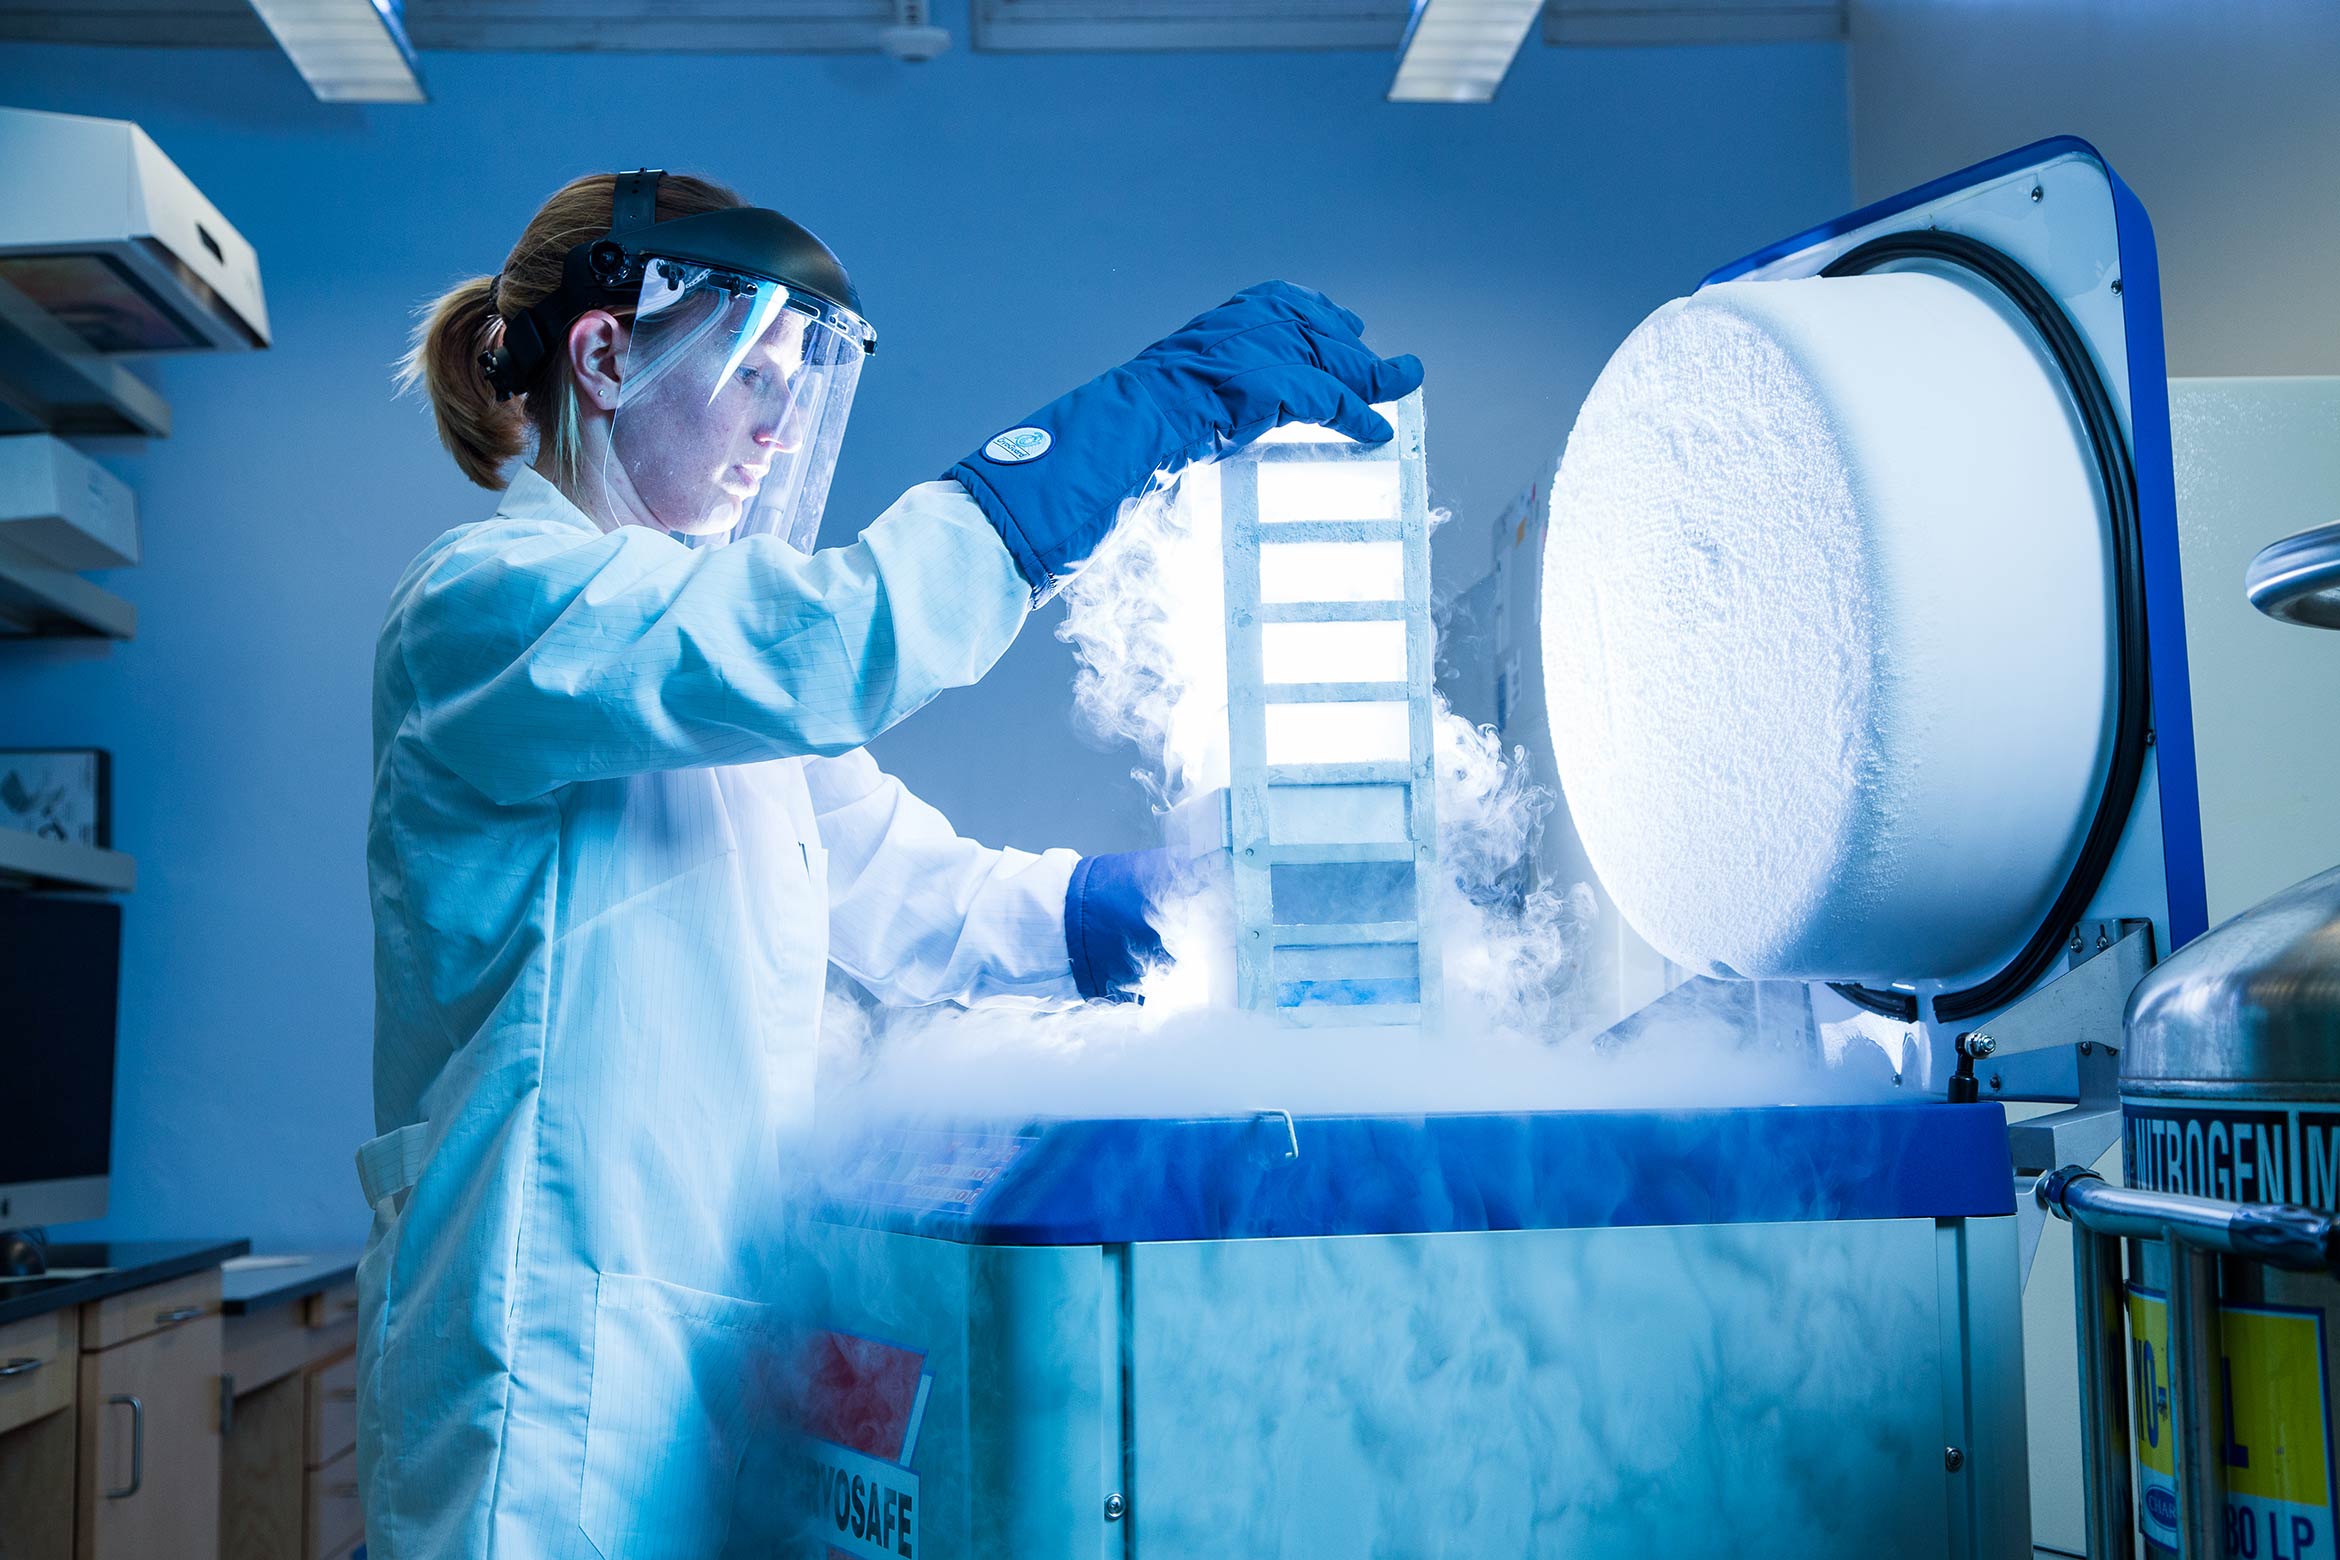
543 653
919 915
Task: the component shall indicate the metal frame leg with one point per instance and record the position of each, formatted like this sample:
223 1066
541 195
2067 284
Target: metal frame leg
2104 1394
2196 1390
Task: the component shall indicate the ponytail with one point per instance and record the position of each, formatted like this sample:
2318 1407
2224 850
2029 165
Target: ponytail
484 434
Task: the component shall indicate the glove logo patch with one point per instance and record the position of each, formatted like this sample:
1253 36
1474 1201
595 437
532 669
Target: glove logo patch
1018 445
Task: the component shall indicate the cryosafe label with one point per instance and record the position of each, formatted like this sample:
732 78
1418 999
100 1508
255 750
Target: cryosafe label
868 1509
2277 1430
865 1400
2255 1151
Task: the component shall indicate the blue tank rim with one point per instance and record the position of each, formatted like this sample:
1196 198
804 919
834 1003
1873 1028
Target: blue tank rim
1118 1180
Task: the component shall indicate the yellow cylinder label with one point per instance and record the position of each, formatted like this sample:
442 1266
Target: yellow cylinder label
2276 1430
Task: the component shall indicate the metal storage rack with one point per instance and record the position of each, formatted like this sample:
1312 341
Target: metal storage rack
1332 850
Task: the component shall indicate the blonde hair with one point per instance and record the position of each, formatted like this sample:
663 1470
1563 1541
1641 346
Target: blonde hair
486 435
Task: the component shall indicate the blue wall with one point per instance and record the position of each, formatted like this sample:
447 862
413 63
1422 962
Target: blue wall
1016 223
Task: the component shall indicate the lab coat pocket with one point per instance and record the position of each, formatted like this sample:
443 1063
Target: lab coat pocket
671 1412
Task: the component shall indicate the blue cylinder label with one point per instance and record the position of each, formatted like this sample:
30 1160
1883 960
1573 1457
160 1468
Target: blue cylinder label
2235 1150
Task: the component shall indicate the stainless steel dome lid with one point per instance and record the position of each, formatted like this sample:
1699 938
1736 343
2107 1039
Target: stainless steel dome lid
2254 1001
2297 578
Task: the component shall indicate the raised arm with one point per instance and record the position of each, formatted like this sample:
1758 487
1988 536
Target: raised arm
544 652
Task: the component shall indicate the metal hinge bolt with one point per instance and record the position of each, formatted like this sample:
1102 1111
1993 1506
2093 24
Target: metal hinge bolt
1115 1507
1953 1459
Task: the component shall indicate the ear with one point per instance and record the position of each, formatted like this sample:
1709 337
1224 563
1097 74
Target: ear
597 346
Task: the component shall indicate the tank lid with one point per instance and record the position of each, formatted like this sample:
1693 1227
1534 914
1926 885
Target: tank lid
2297 578
2256 999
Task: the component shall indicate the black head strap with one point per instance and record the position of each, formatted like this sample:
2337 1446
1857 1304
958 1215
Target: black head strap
634 203
595 275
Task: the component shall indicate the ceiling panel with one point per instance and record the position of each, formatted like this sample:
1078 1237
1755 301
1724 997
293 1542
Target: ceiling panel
818 26
681 26
1593 23
1048 25
229 24
678 26
1376 24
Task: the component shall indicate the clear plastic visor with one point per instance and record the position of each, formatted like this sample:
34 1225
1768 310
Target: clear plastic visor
732 401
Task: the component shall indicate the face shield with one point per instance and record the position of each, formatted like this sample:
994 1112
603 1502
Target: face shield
733 394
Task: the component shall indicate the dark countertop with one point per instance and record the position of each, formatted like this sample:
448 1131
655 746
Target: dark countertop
256 1283
120 1266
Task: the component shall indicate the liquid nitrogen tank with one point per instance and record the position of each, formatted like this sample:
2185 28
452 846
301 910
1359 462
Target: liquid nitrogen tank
1763 1332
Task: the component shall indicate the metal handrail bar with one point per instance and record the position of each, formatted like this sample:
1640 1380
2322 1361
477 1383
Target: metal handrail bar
2278 1234
2198 1230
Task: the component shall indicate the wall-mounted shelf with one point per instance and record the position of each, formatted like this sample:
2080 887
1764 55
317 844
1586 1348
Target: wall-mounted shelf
28 861
51 382
39 600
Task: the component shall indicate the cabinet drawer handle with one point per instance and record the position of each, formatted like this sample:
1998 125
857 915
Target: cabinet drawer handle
137 1445
343 1394
346 1491
176 1315
24 1365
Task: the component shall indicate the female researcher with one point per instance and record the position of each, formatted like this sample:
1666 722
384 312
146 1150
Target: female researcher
622 822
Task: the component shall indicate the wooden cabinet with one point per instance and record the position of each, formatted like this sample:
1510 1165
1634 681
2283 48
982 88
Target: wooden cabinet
40 1363
332 1410
36 1368
113 1444
335 1521
289 1489
263 1474
120 1318
147 1482
109 1427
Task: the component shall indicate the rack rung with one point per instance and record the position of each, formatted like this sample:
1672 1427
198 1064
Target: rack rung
1330 611
1330 935
1332 530
1324 449
1382 1015
1325 855
1344 774
1334 692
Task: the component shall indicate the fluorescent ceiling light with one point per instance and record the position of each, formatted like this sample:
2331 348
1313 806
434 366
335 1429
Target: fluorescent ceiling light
1457 51
349 51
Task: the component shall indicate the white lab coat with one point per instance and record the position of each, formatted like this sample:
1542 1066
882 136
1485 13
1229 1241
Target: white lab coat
621 825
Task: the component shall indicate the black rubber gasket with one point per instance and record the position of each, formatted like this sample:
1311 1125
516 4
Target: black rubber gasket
2133 695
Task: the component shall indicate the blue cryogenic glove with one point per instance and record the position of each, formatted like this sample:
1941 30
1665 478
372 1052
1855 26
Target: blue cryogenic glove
1105 925
1273 354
